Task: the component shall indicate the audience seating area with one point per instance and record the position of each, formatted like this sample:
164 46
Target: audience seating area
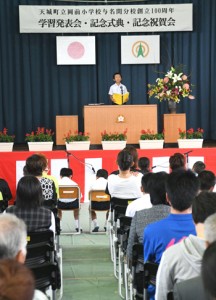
44 252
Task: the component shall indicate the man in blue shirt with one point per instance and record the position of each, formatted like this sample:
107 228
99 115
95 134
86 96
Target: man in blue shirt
181 188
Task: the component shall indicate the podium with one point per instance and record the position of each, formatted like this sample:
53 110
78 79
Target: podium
117 118
171 125
63 125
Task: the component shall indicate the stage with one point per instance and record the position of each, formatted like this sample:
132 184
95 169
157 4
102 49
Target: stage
85 163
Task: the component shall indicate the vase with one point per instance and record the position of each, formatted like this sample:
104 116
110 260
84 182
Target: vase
151 144
40 146
172 106
113 145
78 145
190 143
6 147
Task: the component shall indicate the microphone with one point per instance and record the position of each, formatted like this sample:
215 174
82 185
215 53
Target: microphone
81 162
186 153
153 167
121 87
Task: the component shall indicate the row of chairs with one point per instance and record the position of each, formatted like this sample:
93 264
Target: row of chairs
125 271
45 261
44 254
98 200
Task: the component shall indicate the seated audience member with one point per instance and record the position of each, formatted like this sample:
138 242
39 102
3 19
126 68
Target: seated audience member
198 167
99 185
142 218
210 229
16 281
143 202
125 185
181 189
134 166
183 260
207 180
45 172
34 168
144 164
13 240
66 175
5 194
208 270
29 201
177 162
193 288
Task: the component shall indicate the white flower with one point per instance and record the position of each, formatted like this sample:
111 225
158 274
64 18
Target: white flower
168 92
177 77
169 74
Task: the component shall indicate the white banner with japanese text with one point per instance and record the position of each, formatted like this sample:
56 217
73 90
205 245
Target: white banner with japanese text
105 18
140 49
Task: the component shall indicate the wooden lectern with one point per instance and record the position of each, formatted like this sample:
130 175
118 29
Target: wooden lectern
111 118
171 123
63 125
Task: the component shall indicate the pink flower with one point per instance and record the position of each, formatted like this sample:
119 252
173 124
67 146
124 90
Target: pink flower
184 77
166 79
186 86
191 97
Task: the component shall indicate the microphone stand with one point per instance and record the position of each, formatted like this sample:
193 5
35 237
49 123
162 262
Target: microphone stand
81 162
187 157
68 158
122 94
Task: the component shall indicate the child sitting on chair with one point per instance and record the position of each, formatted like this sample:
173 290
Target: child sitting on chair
99 184
66 175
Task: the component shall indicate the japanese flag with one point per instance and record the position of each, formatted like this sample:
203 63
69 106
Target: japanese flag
140 49
75 50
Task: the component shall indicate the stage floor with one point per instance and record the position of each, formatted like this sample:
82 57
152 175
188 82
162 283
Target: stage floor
24 146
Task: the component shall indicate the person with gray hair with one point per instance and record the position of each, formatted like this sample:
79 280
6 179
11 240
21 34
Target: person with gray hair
194 288
210 229
13 238
13 241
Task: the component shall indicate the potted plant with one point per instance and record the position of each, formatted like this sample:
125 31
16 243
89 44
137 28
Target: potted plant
151 140
113 141
40 139
190 138
77 140
6 141
173 86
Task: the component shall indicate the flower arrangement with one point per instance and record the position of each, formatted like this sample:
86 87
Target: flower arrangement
5 138
40 135
150 135
76 137
191 133
172 86
115 136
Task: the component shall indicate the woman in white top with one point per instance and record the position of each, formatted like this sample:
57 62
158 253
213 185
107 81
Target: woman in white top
125 185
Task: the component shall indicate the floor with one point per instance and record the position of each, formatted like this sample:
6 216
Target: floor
87 267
